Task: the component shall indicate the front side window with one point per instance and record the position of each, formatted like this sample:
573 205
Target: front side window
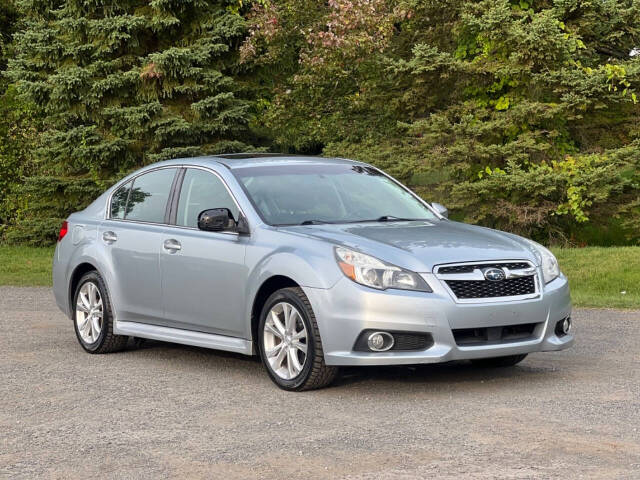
148 197
331 193
202 190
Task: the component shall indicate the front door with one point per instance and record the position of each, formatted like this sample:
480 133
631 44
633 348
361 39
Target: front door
203 273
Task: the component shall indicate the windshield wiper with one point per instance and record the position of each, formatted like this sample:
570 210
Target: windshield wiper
314 222
384 218
391 218
388 218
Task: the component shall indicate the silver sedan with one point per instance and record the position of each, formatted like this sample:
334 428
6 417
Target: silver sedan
311 263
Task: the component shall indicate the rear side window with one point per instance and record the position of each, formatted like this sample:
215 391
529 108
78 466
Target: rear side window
119 201
200 191
147 201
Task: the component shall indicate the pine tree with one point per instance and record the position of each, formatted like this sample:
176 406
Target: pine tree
17 122
121 84
8 17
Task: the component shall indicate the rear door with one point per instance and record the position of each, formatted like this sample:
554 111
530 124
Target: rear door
132 236
203 273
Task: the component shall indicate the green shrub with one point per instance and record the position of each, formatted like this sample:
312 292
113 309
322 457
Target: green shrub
118 85
521 115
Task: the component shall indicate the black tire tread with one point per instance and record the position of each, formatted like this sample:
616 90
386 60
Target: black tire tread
321 375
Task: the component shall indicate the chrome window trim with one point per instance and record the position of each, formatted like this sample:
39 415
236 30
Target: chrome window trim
116 187
531 271
107 213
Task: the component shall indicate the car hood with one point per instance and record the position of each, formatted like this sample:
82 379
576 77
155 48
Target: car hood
419 245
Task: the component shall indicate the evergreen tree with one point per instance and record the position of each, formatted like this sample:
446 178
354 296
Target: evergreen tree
8 18
17 126
518 114
121 84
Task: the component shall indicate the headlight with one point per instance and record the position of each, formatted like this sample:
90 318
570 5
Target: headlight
548 262
374 273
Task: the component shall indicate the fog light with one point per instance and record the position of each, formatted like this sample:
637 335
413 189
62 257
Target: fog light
380 341
563 327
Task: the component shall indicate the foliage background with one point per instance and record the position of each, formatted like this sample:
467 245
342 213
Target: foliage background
522 115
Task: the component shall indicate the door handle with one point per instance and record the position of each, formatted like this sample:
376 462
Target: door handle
109 237
172 245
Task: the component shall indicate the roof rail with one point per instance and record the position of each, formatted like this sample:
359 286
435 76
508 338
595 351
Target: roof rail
242 156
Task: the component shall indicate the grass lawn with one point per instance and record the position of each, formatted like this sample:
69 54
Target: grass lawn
25 266
598 276
602 276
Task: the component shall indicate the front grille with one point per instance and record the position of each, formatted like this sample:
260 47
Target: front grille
468 337
486 289
471 268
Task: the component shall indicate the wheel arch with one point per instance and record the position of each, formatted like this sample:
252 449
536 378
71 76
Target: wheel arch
78 272
267 288
286 267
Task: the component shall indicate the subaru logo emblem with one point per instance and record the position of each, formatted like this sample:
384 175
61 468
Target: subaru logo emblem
494 274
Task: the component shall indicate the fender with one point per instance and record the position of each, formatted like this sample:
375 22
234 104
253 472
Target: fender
307 269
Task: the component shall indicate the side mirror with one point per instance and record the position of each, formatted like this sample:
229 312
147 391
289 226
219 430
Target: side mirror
216 220
221 220
441 209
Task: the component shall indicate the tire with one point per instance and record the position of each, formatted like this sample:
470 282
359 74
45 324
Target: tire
498 362
313 373
93 342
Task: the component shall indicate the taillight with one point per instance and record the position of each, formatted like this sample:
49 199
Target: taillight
63 230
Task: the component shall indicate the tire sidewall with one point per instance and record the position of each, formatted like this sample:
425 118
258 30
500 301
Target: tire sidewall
293 299
94 278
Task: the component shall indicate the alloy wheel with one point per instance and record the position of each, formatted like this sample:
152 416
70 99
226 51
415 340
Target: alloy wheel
285 340
89 312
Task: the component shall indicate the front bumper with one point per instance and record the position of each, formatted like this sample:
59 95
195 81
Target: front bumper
345 310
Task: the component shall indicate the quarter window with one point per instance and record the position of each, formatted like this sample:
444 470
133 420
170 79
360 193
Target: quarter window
148 197
119 201
200 191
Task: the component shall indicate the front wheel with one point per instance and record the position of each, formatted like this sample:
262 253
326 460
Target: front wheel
497 362
289 342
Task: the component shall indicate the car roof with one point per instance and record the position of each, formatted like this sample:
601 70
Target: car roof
244 160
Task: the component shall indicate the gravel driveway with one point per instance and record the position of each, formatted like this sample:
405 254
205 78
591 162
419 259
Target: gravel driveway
172 411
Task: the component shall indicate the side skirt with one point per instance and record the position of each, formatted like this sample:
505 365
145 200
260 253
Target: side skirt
185 337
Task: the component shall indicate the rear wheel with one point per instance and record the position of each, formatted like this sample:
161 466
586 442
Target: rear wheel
289 342
497 362
93 318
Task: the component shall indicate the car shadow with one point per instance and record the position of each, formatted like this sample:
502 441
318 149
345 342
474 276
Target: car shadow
142 345
451 373
448 373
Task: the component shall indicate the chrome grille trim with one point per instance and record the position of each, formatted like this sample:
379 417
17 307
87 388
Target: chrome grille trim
476 275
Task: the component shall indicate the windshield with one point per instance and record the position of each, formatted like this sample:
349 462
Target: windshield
308 194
